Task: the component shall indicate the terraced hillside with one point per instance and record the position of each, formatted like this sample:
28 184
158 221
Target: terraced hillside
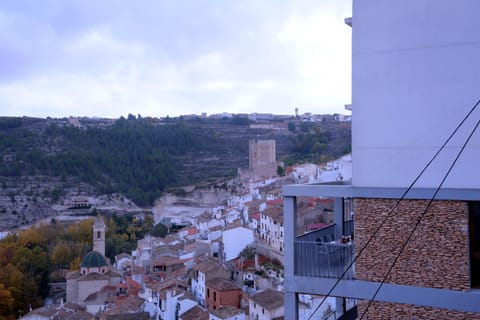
42 159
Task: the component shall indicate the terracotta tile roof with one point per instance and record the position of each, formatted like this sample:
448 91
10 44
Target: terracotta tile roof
220 284
269 299
158 286
166 261
138 270
93 276
207 266
249 264
128 305
226 312
274 213
68 311
276 202
98 297
196 313
255 215
187 295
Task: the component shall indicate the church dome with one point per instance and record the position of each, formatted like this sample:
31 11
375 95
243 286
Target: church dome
93 260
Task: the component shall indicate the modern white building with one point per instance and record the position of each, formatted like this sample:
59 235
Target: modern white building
415 80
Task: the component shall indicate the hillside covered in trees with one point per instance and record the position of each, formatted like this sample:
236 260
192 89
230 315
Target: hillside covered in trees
141 157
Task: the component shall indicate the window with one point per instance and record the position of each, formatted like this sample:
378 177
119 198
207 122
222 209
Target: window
208 293
474 235
99 234
214 296
263 311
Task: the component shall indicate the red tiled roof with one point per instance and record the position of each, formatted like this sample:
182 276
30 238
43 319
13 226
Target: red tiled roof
274 213
269 299
196 313
220 284
276 202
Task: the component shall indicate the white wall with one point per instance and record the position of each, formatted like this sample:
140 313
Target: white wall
415 75
235 240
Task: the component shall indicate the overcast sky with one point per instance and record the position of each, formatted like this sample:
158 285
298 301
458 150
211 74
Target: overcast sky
155 58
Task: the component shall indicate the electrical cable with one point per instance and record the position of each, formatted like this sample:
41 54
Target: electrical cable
394 207
420 219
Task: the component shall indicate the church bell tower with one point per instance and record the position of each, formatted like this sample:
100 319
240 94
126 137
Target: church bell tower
99 235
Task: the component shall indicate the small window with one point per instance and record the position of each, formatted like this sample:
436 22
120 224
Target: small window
214 296
263 310
99 234
208 293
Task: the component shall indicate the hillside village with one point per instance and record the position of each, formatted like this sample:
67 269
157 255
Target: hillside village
225 263
51 167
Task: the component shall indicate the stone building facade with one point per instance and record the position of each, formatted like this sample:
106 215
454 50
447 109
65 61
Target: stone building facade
262 158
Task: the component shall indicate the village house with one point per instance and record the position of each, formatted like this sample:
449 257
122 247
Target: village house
164 266
271 227
205 224
143 251
123 262
227 313
96 301
129 305
222 292
188 233
168 298
77 202
234 240
266 305
196 313
203 272
59 312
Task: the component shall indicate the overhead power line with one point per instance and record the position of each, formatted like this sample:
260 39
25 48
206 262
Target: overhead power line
370 239
420 219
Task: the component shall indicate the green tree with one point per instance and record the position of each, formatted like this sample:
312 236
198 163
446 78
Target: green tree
159 230
280 170
62 254
291 126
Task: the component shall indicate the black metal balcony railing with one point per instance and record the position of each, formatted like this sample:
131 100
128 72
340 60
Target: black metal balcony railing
326 260
348 227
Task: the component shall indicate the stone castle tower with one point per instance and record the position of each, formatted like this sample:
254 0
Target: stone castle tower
262 158
99 229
